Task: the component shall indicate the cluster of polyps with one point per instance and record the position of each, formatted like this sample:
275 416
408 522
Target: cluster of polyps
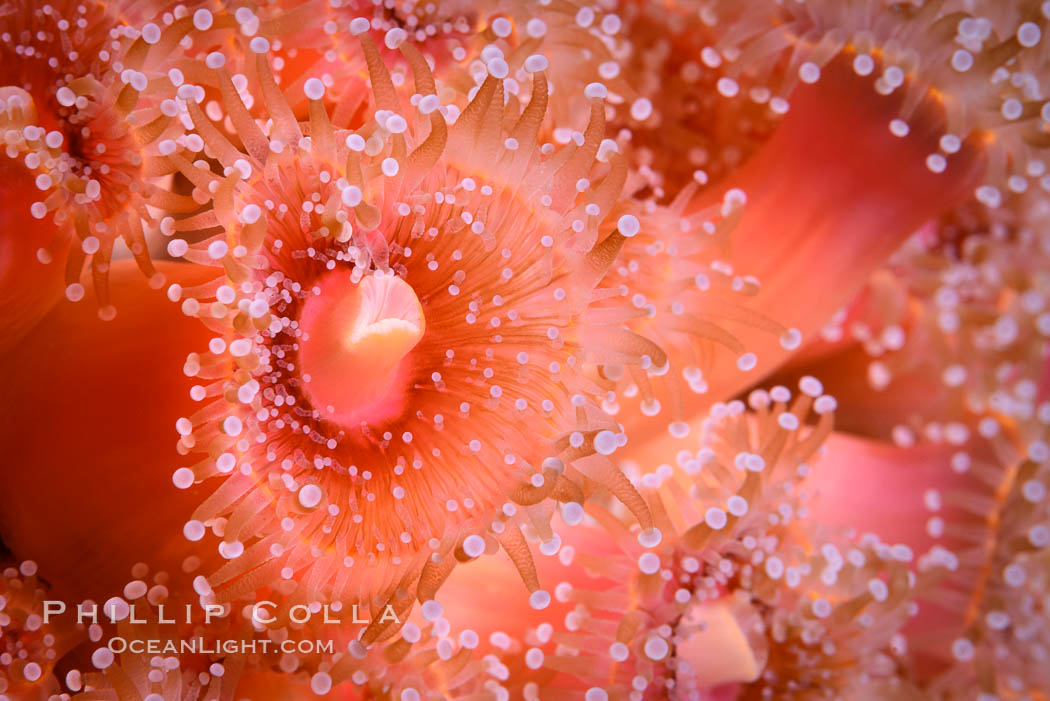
452 245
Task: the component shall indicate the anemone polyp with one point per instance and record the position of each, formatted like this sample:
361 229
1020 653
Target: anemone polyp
92 141
967 309
42 44
681 118
576 44
398 374
439 30
318 40
794 610
155 609
31 645
990 561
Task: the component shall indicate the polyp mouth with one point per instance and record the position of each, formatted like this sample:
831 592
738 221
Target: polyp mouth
357 336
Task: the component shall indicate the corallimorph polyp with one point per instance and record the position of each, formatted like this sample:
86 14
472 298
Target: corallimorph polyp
397 380
795 609
29 648
991 555
86 105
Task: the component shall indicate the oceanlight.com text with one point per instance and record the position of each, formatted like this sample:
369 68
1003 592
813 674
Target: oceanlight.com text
118 645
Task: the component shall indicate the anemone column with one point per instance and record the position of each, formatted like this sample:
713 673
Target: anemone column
88 423
843 181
